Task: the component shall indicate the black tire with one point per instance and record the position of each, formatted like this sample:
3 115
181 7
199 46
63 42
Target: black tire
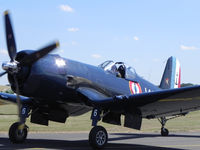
98 137
164 132
16 135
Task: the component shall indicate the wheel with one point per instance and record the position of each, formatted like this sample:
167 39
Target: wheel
17 135
98 137
164 132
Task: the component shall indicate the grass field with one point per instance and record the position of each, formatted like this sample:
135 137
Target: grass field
191 122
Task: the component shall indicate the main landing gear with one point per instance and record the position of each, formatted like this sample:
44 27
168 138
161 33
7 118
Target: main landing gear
18 131
98 136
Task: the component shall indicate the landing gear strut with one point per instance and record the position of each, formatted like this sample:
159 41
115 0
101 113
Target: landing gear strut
98 136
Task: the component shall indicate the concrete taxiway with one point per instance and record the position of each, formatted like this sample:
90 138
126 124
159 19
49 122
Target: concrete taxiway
117 141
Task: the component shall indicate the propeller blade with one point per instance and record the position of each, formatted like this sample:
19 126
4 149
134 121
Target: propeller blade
30 59
18 98
10 39
2 73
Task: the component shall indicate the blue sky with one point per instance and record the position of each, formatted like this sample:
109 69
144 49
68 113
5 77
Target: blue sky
139 32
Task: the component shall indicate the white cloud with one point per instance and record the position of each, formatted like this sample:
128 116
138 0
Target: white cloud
135 60
96 56
136 38
74 43
60 51
183 47
116 38
3 52
66 8
156 60
73 29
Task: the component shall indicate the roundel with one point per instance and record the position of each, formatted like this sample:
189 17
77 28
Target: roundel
135 87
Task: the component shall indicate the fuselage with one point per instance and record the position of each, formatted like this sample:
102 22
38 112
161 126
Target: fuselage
48 78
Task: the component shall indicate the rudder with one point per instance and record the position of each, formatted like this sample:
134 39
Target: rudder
172 74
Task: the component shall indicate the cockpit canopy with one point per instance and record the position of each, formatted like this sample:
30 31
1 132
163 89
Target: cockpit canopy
118 69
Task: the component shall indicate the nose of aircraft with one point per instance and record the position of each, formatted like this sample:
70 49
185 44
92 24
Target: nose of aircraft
14 67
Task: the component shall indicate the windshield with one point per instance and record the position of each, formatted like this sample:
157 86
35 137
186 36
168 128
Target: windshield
106 64
118 69
130 73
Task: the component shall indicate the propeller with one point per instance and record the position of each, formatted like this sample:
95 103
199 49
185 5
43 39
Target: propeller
30 59
10 39
2 73
13 66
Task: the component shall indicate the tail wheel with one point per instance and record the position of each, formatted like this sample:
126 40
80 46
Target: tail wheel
98 137
164 132
17 135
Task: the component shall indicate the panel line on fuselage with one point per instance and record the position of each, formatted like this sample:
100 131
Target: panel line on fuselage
179 99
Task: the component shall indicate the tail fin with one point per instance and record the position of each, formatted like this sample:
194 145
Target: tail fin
172 75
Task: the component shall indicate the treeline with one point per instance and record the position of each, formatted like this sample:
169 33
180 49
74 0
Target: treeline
187 84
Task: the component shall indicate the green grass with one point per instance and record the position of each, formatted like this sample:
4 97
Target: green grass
191 122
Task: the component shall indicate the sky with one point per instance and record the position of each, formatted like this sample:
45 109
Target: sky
142 33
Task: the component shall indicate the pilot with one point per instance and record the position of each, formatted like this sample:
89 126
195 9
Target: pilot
121 71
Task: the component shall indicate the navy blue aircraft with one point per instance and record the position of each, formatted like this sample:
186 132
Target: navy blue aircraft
49 87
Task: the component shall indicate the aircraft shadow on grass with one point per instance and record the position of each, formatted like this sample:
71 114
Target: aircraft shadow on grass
83 144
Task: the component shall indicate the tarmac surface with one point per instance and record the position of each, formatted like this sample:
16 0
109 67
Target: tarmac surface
117 141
